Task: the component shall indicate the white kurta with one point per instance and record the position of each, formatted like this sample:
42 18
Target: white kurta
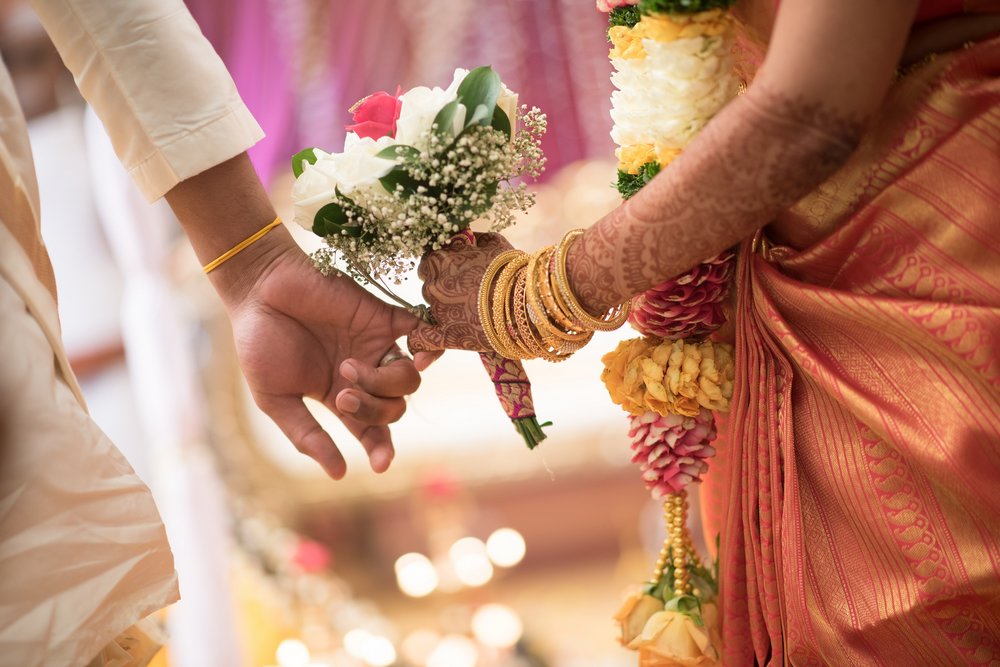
83 553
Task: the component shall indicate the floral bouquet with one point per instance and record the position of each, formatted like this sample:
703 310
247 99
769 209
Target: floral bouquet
417 169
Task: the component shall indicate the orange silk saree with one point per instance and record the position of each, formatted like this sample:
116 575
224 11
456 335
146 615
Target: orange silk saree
858 496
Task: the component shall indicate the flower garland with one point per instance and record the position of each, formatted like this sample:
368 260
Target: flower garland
673 73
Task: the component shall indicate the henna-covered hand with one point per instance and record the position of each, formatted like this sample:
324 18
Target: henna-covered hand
451 287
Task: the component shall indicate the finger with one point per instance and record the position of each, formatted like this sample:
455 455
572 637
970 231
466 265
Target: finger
376 440
368 409
423 360
299 426
425 338
396 379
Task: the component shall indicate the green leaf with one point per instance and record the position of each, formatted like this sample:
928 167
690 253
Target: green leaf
685 604
332 220
399 152
399 176
627 16
446 117
629 184
501 122
481 86
479 115
307 155
681 6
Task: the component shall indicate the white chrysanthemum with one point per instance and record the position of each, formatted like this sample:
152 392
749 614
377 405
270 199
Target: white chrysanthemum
665 98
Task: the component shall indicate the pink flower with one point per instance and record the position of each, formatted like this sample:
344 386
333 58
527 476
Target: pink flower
672 451
375 116
607 5
311 556
688 306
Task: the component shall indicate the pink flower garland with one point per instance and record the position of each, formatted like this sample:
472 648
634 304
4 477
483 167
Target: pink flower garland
672 451
688 306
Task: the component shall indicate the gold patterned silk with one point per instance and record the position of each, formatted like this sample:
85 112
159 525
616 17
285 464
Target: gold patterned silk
859 492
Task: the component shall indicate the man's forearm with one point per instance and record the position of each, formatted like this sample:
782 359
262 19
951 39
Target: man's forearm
220 207
755 159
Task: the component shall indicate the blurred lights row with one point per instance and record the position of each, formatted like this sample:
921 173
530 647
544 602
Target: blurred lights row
493 625
470 561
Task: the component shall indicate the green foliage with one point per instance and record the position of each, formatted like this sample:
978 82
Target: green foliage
627 16
629 184
340 218
681 6
399 152
501 122
307 155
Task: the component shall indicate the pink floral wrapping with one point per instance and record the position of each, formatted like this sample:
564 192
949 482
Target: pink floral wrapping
512 385
688 306
672 451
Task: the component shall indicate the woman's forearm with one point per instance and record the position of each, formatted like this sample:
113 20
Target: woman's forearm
759 156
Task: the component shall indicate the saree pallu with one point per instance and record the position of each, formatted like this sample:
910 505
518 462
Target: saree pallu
860 494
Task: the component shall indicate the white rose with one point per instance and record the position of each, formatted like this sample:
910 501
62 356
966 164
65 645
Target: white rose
357 166
419 107
313 189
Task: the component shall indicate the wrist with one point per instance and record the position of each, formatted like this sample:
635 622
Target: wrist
237 277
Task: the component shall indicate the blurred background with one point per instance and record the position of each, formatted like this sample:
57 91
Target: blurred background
471 551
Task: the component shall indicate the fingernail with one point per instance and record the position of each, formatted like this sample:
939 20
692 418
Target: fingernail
349 403
348 370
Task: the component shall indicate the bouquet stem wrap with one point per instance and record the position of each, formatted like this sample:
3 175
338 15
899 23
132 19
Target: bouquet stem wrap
510 380
514 392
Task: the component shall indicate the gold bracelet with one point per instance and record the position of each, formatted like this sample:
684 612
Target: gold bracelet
502 298
563 341
240 247
527 334
485 290
609 321
543 287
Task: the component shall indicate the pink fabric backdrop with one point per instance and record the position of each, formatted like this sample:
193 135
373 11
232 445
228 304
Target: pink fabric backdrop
300 64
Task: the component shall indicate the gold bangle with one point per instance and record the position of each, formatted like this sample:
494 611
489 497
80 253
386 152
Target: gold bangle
240 247
502 297
485 290
523 324
563 341
609 321
543 286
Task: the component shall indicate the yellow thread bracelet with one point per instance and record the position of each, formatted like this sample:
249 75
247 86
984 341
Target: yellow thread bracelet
240 247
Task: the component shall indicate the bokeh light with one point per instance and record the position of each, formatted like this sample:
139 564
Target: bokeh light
292 653
506 547
416 575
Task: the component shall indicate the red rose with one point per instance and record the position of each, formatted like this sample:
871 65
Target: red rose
376 115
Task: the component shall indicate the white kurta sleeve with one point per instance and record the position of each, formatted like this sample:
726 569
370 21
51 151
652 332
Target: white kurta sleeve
165 98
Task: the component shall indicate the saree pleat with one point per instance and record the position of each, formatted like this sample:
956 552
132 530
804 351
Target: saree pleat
860 494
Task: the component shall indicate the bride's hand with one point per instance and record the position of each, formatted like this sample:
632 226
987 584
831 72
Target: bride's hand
451 279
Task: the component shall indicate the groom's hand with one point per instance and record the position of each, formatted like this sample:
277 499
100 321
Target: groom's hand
300 334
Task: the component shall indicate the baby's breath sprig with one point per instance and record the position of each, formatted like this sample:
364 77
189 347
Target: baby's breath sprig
450 184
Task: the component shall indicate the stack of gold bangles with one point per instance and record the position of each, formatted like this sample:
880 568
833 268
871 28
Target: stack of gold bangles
528 310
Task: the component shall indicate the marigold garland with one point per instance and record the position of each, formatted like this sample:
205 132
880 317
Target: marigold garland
673 73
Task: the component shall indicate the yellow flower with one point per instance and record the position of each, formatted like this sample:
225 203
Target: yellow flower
631 158
634 613
627 42
672 639
669 377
